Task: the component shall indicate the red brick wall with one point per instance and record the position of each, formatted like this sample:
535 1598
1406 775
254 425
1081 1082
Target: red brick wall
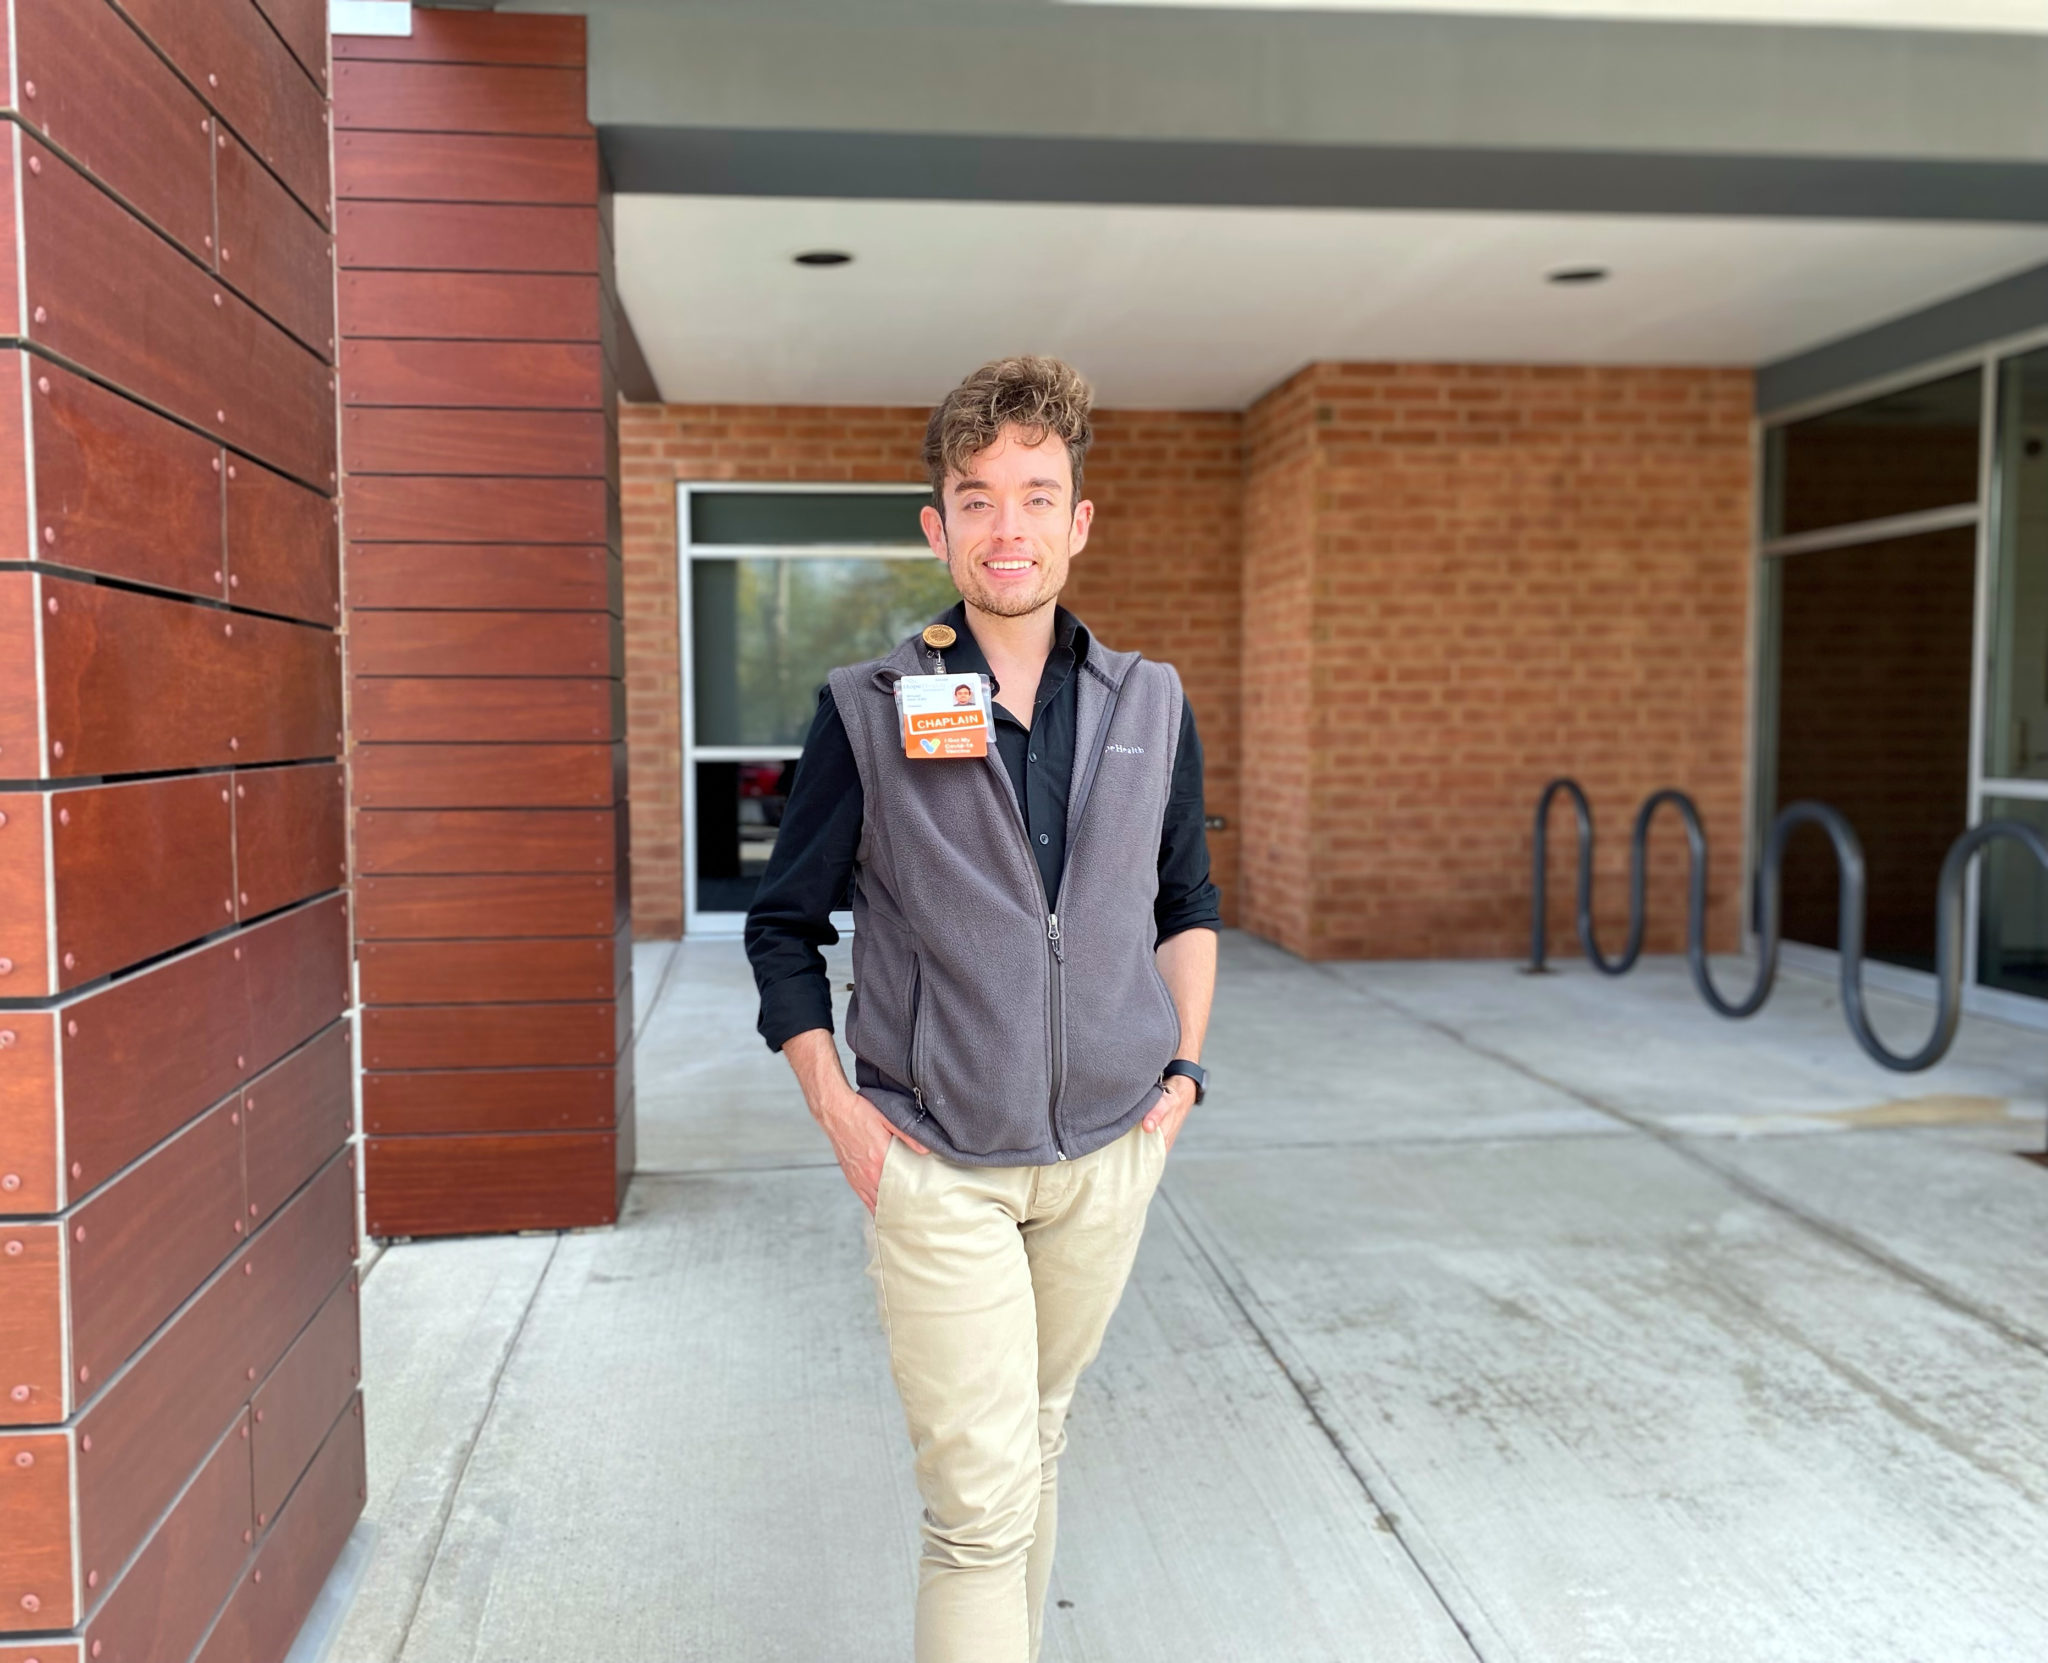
1160 574
1478 577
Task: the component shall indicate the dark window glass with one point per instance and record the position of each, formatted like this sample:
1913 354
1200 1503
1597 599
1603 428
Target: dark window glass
766 518
1900 454
765 633
2016 715
1873 718
2012 928
739 808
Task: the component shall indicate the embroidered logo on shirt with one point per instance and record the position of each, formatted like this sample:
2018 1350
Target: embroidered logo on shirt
1124 750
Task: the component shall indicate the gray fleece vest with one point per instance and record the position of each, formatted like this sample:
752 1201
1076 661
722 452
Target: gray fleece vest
994 1031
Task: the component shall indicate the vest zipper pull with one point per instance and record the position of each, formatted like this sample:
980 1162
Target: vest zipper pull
1052 934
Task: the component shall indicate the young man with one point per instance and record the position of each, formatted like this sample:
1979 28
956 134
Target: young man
1034 954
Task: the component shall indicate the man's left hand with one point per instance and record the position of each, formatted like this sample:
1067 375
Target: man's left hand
1167 1114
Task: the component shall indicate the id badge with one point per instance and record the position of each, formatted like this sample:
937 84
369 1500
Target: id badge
942 716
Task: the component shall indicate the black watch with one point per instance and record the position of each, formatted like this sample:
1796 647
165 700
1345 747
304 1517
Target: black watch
1188 1071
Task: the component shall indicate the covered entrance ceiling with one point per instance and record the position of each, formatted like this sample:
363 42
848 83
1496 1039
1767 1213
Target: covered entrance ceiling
1207 307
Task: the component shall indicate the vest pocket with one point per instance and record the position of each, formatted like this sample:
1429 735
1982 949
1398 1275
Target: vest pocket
912 1057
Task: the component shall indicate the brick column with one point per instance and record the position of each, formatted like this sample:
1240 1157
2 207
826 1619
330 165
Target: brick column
181 1452
485 650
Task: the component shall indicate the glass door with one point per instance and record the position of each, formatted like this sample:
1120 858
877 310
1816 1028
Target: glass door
778 584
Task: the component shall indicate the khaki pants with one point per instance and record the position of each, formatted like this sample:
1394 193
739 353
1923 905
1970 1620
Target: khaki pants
995 1284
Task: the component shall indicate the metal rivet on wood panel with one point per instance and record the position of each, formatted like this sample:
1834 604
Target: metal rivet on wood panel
261 1519
238 1226
259 1422
249 1269
213 80
228 907
63 816
35 164
252 1374
224 257
235 581
258 1577
245 1430
19 1394
96 1647
42 383
29 1602
3 819
70 962
240 1062
10 1181
85 1443
238 951
209 238
220 415
245 897
50 536
78 1169
223 796
41 315
249 1535
84 1375
24 1459
14 1250
216 292
29 87
236 1120
71 1027
6 967
231 470
254 1209
92 1579
56 745
78 1232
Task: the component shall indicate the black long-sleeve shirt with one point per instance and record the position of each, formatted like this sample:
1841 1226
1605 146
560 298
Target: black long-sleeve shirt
809 873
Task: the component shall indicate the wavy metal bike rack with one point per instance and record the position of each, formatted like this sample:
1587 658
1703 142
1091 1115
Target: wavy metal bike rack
1948 909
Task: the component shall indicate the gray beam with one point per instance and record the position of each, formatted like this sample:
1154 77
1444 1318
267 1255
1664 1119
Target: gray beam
701 161
2012 306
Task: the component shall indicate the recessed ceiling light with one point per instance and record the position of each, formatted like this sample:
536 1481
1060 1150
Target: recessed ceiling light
1576 274
825 257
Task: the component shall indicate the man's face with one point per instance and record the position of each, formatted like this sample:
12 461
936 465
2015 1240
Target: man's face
1011 525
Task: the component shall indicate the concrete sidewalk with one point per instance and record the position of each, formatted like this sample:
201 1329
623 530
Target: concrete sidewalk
1481 1316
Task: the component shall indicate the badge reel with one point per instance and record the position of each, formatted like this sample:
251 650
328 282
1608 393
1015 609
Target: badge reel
943 715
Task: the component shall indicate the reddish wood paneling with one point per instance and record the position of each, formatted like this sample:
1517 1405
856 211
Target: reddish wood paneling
123 303
496 442
399 509
137 870
507 578
488 1036
460 37
138 683
459 236
304 1395
466 167
272 1599
252 79
399 909
483 776
291 835
484 972
32 1386
30 1179
38 1574
118 111
21 752
467 305
284 545
272 250
491 1100
531 1181
294 1117
153 1425
142 1244
500 709
303 26
25 961
144 1054
401 841
165 1600
481 643
460 98
487 374
118 489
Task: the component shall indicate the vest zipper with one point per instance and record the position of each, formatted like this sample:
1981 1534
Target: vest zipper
916 1022
1057 966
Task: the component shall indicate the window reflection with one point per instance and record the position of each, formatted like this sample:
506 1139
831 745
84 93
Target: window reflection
739 811
2016 716
2012 921
1902 453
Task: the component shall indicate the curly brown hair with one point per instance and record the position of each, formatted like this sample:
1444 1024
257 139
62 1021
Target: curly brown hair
1038 396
